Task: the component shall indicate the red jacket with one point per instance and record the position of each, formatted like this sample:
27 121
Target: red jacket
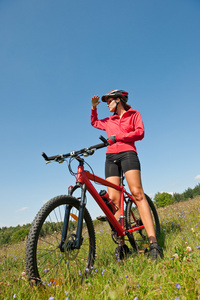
127 129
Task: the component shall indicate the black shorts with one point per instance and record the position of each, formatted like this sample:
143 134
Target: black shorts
126 161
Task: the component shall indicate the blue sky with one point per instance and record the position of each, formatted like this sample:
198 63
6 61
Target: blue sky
55 55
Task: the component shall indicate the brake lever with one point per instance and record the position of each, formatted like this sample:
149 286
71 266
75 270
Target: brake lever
88 152
59 159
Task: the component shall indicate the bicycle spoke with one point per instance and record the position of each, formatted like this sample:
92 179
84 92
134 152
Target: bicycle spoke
52 258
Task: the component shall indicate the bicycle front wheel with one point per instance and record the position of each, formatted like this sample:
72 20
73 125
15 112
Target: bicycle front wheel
139 239
46 261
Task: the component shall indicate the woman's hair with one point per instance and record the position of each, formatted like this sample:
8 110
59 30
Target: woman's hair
125 105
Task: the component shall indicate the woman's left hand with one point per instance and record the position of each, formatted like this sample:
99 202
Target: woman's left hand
111 139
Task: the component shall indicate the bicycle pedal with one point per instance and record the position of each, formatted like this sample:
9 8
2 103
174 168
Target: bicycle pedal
144 251
102 218
141 251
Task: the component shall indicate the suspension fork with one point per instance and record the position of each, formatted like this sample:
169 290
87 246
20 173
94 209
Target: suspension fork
65 227
78 240
80 217
71 189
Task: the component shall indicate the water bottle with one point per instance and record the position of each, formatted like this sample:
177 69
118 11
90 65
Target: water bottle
104 195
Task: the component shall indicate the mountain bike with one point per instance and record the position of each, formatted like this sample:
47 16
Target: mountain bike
62 242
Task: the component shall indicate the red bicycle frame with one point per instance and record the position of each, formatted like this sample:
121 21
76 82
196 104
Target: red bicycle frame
84 177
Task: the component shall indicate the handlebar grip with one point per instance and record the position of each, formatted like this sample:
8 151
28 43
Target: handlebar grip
45 156
104 140
48 158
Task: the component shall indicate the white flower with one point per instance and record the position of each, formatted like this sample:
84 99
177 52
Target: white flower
175 255
188 249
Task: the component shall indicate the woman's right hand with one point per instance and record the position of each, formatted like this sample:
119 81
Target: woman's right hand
95 101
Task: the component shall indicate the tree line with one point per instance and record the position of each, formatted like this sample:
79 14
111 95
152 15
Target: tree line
164 199
12 235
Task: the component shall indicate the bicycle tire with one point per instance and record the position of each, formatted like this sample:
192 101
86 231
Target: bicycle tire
44 260
138 239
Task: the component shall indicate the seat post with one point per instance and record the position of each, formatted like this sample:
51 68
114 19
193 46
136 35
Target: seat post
121 177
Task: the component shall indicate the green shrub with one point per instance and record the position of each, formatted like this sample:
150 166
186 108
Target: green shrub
163 199
19 235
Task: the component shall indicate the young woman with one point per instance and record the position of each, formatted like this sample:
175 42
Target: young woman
123 129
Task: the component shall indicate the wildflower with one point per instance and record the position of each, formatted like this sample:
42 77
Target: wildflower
138 285
198 246
126 276
102 273
176 298
188 249
51 298
45 270
66 293
79 273
178 285
136 298
14 296
175 255
23 274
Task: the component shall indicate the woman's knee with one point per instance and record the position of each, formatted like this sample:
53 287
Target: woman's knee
114 195
137 193
115 198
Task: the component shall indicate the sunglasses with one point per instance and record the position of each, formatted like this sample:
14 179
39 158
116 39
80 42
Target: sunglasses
110 100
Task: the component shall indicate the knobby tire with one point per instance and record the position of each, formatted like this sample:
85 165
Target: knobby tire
45 262
138 239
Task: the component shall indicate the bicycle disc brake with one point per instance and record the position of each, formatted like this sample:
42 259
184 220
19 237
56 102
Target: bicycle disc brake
69 247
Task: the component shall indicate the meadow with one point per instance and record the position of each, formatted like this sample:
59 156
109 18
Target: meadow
176 277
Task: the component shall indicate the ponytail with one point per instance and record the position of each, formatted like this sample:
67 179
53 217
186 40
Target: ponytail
125 105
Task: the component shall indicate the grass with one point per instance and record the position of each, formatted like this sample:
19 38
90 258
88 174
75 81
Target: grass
177 276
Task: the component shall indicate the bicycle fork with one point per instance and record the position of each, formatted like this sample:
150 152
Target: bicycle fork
74 241
82 205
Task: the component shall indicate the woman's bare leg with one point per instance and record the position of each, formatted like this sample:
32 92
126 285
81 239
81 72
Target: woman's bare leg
133 179
114 194
116 198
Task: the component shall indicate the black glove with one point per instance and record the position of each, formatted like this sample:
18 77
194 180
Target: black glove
111 139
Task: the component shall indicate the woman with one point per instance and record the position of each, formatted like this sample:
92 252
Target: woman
123 129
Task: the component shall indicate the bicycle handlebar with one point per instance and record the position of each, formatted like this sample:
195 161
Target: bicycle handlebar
88 151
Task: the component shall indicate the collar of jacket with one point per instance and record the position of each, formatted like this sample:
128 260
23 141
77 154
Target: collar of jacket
126 114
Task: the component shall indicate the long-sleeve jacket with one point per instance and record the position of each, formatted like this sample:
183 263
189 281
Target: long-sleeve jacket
128 129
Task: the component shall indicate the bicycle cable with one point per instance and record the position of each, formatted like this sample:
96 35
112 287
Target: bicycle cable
75 174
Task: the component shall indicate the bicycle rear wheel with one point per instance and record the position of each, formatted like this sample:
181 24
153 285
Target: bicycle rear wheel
139 239
46 261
